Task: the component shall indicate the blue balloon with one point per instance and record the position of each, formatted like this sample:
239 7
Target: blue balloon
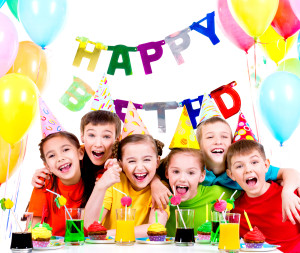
279 102
42 19
2 2
298 46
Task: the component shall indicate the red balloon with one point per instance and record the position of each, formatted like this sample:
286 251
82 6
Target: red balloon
216 95
230 27
285 21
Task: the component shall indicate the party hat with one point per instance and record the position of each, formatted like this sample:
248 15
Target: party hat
49 123
184 136
243 130
133 123
208 109
102 99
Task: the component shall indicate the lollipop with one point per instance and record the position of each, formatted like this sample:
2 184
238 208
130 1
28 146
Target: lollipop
6 204
220 205
175 200
60 201
126 201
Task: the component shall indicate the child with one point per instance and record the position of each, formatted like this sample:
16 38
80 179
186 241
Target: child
184 167
61 154
214 136
139 158
247 165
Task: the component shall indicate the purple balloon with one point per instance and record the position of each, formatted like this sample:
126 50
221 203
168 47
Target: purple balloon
9 44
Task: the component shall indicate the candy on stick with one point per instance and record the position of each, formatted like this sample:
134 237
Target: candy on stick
248 221
177 200
125 201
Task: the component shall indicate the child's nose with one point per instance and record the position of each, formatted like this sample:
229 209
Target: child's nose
98 142
217 140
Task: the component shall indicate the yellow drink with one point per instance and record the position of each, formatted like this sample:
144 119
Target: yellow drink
229 236
125 232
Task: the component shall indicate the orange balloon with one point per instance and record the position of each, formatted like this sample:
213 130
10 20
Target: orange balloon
16 157
31 61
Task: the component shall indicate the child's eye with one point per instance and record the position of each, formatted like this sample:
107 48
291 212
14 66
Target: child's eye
175 171
191 172
131 161
107 137
147 160
224 137
50 156
238 166
91 135
254 162
66 149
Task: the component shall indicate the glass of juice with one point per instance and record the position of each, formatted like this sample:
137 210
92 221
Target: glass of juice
215 232
185 227
125 226
230 232
21 241
74 226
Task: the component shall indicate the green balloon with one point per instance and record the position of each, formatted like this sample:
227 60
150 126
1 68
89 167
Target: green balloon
290 65
13 6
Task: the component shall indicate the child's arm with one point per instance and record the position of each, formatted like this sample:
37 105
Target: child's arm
35 220
39 177
95 202
290 201
160 193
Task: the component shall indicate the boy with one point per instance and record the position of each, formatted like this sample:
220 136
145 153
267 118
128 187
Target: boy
247 165
214 136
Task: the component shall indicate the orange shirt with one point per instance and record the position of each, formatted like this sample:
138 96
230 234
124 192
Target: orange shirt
56 219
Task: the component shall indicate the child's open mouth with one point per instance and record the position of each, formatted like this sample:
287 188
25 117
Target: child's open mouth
140 176
181 190
65 168
251 181
97 154
218 151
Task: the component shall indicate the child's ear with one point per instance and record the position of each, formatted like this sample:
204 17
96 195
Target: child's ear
229 174
202 176
267 165
80 153
81 137
166 173
157 162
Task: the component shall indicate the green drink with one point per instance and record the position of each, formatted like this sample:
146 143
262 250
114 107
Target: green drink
74 232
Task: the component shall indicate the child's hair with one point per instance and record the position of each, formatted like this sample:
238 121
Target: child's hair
101 117
194 152
136 138
211 120
244 147
71 137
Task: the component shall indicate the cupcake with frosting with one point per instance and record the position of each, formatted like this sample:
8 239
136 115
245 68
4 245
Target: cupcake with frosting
204 231
157 232
254 238
41 234
96 231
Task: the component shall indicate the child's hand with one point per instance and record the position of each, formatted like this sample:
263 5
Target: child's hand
290 205
111 175
160 194
39 177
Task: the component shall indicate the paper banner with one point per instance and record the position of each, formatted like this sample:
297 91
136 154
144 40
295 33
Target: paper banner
120 104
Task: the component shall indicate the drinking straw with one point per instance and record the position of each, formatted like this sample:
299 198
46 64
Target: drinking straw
119 191
101 213
221 196
206 213
179 210
125 212
17 221
53 192
233 194
217 231
156 217
248 221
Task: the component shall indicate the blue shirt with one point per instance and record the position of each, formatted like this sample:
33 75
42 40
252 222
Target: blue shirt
224 180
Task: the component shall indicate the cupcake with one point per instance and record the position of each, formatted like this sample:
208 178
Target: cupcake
157 232
96 231
204 231
41 234
254 239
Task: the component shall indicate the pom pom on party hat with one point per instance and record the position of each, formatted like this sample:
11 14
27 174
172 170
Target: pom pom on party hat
208 109
133 123
49 123
102 98
184 136
243 130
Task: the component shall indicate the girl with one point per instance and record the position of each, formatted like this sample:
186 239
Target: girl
61 155
139 158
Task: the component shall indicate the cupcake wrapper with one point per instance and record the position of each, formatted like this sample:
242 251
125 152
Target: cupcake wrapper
157 238
204 237
40 244
97 237
254 245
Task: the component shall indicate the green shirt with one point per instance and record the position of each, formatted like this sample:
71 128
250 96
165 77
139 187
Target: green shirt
205 194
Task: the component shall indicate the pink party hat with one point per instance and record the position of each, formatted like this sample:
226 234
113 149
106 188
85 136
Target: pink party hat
208 109
49 123
184 136
133 123
102 99
243 130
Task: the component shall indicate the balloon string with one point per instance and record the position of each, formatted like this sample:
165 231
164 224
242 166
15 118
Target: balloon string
7 173
38 71
285 43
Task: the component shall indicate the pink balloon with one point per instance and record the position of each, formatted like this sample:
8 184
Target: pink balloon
295 4
9 44
230 27
285 21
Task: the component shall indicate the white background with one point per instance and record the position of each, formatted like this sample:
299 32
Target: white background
132 23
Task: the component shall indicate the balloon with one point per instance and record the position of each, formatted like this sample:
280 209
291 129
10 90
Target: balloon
42 19
231 29
18 106
16 157
254 16
279 104
8 44
13 7
290 65
274 46
295 4
2 2
31 61
298 46
285 22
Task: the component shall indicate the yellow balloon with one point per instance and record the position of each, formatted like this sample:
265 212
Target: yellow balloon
274 45
17 154
18 106
254 16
